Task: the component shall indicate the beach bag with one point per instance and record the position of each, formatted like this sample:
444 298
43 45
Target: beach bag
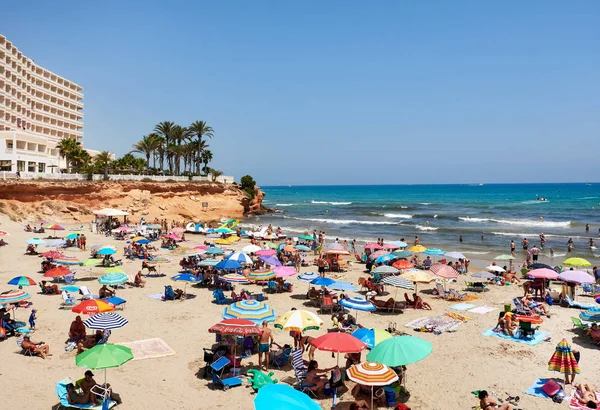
553 389
559 397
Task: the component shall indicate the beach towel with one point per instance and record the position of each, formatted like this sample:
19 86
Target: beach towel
149 348
536 389
539 337
434 324
457 316
576 404
462 306
158 296
482 310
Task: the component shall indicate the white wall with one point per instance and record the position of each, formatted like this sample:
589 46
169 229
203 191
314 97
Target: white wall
98 177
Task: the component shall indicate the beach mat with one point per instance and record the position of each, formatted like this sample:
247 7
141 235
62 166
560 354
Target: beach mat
576 404
536 389
482 310
539 337
434 323
149 349
157 296
462 306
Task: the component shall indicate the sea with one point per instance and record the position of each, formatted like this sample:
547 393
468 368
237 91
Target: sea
487 216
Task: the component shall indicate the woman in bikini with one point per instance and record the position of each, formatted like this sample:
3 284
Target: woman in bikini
486 403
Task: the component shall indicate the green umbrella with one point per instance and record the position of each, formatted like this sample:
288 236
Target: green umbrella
306 237
504 257
576 262
91 262
104 357
272 245
402 254
400 351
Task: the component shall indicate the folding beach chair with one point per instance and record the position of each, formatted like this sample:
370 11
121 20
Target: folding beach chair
300 372
61 392
218 368
24 352
86 294
442 293
283 360
525 329
520 309
577 305
457 296
68 299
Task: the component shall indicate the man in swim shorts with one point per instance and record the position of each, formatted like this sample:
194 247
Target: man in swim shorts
264 346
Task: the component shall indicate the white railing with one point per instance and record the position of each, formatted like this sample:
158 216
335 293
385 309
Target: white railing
224 179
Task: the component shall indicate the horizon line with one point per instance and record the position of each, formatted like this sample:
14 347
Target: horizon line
432 184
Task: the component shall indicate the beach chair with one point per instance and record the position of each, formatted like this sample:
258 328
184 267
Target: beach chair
24 352
577 305
300 373
520 309
61 392
457 296
578 323
283 360
86 294
68 299
477 286
442 293
327 304
525 329
69 279
218 368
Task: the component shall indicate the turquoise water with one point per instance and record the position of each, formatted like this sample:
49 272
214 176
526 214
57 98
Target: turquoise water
440 214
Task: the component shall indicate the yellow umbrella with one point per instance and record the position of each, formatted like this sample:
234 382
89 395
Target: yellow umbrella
576 262
417 249
221 242
299 321
137 238
419 276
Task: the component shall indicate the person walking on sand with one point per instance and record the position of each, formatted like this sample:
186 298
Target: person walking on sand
264 346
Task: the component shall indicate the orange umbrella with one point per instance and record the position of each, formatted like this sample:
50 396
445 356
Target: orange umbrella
338 252
57 272
289 248
402 264
93 306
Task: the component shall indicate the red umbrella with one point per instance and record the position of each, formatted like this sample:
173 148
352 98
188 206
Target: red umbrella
443 271
57 272
338 342
53 255
543 273
402 264
93 306
237 327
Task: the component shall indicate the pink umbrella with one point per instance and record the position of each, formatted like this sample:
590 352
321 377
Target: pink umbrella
284 271
337 252
372 246
377 254
266 252
543 273
443 271
173 236
178 230
334 246
123 228
201 247
390 246
577 276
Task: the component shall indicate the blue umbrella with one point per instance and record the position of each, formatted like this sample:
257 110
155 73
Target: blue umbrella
185 277
358 304
143 241
107 251
322 281
385 258
283 397
105 321
113 278
302 248
340 285
214 250
399 244
434 252
208 262
271 260
308 276
228 264
70 288
35 241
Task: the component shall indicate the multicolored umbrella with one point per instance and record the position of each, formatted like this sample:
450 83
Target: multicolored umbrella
299 321
371 374
240 257
236 327
105 321
308 276
283 397
597 298
14 296
563 360
284 271
577 262
233 278
112 279
443 271
22 281
93 306
358 304
371 337
576 276
58 272
253 310
590 315
400 351
261 275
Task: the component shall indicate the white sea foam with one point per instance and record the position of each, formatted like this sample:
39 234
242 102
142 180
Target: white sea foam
285 204
330 203
425 203
343 221
425 228
476 253
520 222
535 201
401 216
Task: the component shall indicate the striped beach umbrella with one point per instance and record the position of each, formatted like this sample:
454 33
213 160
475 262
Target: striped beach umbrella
52 255
308 276
240 257
93 306
299 321
399 282
67 261
261 275
14 296
113 279
22 281
105 321
563 360
590 315
252 310
371 374
236 327
371 337
444 271
233 278
208 262
357 303
385 269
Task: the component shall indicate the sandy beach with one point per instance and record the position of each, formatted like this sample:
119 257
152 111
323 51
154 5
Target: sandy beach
461 361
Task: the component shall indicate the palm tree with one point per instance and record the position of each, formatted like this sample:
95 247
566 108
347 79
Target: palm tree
165 129
80 158
145 146
179 135
206 157
216 174
67 147
155 142
177 151
202 131
102 161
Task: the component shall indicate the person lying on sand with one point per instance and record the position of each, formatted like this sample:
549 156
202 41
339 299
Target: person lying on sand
388 304
594 332
486 403
586 394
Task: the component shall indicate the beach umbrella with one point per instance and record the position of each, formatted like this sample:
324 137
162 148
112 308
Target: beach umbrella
122 228
385 269
70 288
283 397
289 248
338 342
35 241
251 249
104 356
14 296
302 248
543 273
597 298
483 275
402 264
178 230
308 276
377 254
91 262
563 360
55 228
73 235
266 252
56 243
371 374
419 276
271 260
106 251
252 310
322 281
298 321
417 249
271 245
214 250
115 270
306 237
400 351
390 245
208 262
144 241
402 254
398 281
358 304
443 271
590 315
93 306
284 271
187 278
236 327
240 257
372 246
105 321
454 255
577 262
3 233
343 286
172 236
67 261
399 244
112 279
540 265
57 272
233 278
21 281
385 258
434 252
576 276
337 252
334 246
371 337
495 268
228 264
261 275
504 258
203 247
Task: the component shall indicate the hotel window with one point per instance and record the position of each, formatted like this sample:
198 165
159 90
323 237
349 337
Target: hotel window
21 166
41 167
9 144
31 167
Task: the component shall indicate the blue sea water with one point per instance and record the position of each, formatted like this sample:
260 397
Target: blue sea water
440 214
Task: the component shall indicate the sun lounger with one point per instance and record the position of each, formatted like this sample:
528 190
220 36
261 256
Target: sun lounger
61 392
68 299
218 368
574 304
520 309
578 323
442 293
300 372
283 360
86 294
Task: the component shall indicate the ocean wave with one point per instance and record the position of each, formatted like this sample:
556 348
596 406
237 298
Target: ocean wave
520 222
285 204
476 253
535 201
342 221
402 216
425 203
589 197
329 203
425 228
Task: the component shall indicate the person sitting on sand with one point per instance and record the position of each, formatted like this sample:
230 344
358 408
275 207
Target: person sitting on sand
314 375
105 292
594 332
30 250
77 330
3 243
84 398
38 348
506 323
486 403
138 281
538 308
28 228
352 358
427 263
50 289
420 303
88 384
510 277
586 394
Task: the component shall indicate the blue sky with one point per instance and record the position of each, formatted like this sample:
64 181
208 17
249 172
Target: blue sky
338 92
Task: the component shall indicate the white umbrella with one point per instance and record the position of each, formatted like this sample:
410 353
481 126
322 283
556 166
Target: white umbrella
495 268
250 249
454 255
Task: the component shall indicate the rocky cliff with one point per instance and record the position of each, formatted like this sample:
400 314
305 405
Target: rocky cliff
75 200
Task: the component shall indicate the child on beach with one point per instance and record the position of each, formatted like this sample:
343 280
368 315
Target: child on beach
32 318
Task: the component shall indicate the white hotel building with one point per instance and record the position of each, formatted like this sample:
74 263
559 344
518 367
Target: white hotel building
38 108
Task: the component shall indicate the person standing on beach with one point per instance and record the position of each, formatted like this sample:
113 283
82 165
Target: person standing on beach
513 247
460 239
542 240
264 346
416 242
525 244
534 253
321 266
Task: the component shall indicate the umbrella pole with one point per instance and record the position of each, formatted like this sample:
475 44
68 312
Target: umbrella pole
371 396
